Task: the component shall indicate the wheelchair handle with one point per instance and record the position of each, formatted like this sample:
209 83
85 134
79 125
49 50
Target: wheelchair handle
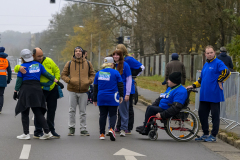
192 90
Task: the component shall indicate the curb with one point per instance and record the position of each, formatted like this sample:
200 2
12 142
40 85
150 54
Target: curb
221 135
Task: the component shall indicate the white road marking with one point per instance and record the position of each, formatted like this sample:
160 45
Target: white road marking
130 158
33 118
25 151
31 129
129 155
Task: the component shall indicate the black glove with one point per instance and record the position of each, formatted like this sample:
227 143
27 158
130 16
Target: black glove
8 82
60 84
15 96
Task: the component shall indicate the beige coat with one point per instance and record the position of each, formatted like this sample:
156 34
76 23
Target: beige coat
79 76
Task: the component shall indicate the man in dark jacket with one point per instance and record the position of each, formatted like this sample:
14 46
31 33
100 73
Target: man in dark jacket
175 66
175 95
225 58
5 70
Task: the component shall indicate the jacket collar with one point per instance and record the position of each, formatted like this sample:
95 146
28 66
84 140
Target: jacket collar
211 60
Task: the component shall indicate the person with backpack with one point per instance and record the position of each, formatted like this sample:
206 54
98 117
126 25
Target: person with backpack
50 90
5 71
108 94
78 74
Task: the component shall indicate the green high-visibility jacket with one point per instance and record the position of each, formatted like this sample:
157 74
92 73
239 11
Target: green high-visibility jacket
51 68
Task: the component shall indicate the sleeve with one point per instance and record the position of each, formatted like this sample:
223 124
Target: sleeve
91 73
95 92
225 73
157 101
19 74
96 79
119 78
43 70
18 83
55 70
197 84
128 85
16 68
171 111
9 72
49 76
65 73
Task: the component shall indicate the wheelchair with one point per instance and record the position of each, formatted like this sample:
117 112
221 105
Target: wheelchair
182 127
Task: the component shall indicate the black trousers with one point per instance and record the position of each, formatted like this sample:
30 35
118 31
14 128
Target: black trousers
131 115
104 111
51 99
204 111
1 97
39 117
151 111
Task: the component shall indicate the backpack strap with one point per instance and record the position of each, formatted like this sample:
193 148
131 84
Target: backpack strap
43 60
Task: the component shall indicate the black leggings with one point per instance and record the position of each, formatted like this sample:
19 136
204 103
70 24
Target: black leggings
38 115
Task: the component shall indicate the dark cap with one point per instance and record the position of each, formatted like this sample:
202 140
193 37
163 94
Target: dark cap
175 77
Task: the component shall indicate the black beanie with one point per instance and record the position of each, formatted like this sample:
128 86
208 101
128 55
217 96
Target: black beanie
175 77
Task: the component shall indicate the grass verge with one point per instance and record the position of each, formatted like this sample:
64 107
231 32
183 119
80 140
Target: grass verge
154 83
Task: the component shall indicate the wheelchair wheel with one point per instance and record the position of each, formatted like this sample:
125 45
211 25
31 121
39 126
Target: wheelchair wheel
184 126
153 135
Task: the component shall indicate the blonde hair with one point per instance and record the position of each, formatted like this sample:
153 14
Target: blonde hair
123 49
104 65
209 46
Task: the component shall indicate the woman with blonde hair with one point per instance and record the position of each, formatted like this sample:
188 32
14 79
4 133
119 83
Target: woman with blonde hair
136 69
107 84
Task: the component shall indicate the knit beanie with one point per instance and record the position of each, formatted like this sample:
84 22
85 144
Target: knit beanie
2 49
78 47
175 77
174 56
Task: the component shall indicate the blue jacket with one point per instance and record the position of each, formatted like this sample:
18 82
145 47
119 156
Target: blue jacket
3 79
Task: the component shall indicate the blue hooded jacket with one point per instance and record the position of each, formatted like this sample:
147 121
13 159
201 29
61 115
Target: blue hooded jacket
3 79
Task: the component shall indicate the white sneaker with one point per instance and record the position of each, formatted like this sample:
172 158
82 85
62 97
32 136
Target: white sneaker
122 133
46 136
24 136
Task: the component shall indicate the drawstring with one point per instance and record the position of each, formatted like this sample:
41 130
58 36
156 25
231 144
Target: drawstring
75 66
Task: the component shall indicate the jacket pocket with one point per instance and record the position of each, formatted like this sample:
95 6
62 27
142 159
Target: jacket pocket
74 83
85 85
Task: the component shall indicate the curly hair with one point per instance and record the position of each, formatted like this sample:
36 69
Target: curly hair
121 60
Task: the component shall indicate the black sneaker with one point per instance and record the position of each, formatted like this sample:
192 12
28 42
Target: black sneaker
55 135
84 133
37 136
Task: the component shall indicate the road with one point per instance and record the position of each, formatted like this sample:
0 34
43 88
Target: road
89 148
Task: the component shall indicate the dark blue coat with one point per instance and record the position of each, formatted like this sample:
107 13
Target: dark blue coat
226 59
3 79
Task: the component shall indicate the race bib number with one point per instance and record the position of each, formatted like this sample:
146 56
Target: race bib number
34 68
105 76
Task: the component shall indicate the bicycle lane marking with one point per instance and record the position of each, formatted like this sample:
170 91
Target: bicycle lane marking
25 151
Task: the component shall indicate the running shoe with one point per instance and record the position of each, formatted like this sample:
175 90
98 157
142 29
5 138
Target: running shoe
112 134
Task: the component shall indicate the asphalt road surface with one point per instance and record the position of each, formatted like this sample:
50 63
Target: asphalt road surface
77 147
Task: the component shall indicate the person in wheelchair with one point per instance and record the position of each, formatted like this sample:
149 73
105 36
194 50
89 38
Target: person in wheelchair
167 104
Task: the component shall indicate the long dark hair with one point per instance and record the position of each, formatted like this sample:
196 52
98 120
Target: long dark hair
121 60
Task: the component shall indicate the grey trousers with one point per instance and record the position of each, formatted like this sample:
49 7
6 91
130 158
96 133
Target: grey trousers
77 99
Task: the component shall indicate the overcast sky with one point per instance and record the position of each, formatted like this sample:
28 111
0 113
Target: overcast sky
27 15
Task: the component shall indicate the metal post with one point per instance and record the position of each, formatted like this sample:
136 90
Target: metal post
105 4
